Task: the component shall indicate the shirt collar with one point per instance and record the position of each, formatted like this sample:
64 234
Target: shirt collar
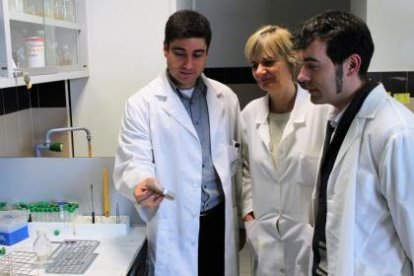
334 117
200 86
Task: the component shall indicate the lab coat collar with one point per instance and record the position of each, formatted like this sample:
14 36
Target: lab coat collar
297 114
372 102
367 111
216 105
171 103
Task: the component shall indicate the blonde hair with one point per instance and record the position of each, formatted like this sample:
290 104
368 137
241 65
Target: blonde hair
272 41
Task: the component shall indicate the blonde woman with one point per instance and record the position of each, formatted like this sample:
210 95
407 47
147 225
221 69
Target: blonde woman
283 133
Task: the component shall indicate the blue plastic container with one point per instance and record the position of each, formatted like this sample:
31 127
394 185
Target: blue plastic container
13 226
14 237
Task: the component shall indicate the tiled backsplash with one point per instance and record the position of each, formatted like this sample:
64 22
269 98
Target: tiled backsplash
26 115
50 94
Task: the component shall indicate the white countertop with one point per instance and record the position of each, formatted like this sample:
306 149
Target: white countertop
116 251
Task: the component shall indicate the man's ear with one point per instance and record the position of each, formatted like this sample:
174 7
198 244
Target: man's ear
165 48
353 64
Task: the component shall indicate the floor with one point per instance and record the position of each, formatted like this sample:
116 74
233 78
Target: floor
245 266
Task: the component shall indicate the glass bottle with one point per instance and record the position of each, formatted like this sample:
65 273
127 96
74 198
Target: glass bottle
64 55
70 10
16 5
49 8
42 247
59 6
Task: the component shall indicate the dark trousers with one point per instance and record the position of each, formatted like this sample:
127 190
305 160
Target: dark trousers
211 242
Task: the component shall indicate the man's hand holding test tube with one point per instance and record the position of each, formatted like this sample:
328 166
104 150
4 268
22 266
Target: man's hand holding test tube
149 193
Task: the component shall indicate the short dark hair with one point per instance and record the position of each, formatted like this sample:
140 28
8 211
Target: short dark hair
187 24
345 34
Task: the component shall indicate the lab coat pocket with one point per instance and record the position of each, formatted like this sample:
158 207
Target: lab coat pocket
251 236
307 166
366 189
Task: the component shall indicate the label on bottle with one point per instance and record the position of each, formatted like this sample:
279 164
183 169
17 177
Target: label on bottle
35 51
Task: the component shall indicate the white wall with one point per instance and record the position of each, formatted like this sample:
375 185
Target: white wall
125 52
392 27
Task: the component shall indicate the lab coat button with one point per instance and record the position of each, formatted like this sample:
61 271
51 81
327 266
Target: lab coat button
282 271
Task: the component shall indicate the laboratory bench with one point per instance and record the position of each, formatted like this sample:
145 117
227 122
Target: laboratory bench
115 254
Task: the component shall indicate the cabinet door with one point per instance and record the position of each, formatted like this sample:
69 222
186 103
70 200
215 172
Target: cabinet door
46 36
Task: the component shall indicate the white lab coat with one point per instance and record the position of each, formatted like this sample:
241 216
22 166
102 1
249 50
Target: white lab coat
158 139
281 196
370 193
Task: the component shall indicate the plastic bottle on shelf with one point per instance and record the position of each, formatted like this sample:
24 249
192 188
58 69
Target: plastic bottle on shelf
35 51
42 247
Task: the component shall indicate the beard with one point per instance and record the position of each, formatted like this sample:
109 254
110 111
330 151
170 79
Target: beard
338 77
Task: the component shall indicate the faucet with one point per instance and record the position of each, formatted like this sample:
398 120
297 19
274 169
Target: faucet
47 144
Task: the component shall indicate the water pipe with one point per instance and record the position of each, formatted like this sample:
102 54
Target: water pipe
58 146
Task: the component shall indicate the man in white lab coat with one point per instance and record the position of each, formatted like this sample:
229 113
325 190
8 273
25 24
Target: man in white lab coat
364 219
180 133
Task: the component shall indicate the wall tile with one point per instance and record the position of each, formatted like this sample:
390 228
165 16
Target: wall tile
47 118
374 76
246 92
395 82
26 148
3 147
26 115
51 94
230 74
12 134
10 100
410 85
2 111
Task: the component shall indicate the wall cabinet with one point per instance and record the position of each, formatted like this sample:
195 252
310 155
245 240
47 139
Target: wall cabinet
45 40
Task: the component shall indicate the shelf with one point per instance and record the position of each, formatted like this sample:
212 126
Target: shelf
11 82
33 19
